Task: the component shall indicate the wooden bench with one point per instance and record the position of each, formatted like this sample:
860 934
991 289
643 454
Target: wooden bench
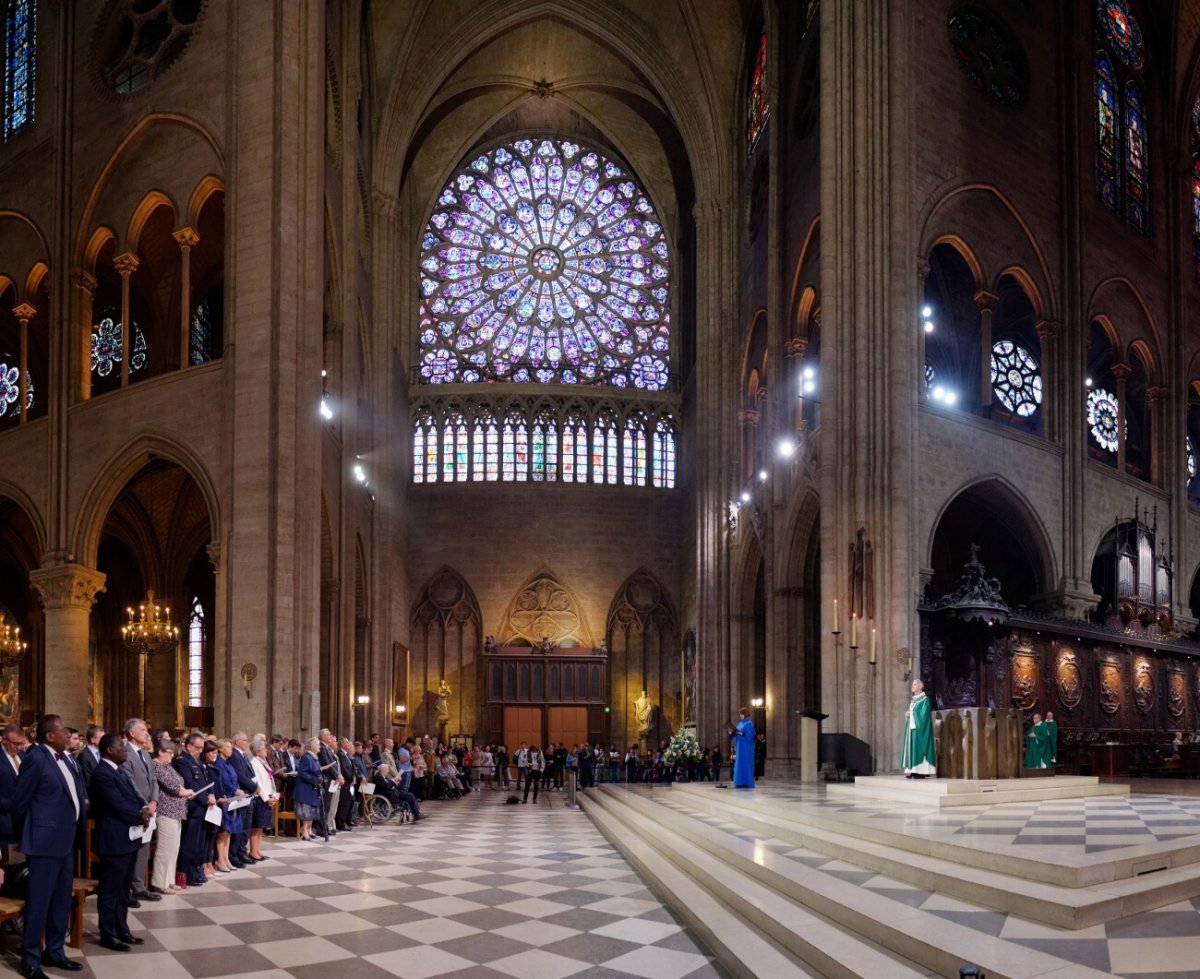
11 907
283 816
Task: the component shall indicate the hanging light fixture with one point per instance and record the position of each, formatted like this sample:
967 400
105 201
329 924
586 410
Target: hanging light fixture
150 629
12 647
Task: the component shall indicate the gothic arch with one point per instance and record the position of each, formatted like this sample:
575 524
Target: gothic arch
642 630
116 473
447 644
545 607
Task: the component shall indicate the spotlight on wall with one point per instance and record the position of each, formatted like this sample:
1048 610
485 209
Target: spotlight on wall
401 709
359 473
362 700
762 475
926 312
929 326
1087 382
938 393
951 397
324 373
786 448
326 411
745 497
756 702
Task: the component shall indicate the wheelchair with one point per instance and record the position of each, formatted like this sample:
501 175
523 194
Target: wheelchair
381 809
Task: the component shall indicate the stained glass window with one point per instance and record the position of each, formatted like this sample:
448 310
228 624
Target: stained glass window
10 391
604 449
988 54
1016 379
1107 114
664 454
1102 418
1137 204
575 449
810 13
930 374
633 454
486 464
514 449
756 100
454 449
545 262
545 447
196 655
1196 185
200 336
1121 30
106 345
425 450
1191 461
20 65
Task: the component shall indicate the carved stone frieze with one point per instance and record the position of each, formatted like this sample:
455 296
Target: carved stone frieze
67 586
545 608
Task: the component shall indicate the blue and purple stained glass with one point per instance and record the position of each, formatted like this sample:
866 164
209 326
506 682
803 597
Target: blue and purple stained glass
106 346
10 391
20 65
1122 31
544 262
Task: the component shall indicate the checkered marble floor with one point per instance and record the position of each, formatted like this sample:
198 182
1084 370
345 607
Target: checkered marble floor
478 889
1160 944
1059 829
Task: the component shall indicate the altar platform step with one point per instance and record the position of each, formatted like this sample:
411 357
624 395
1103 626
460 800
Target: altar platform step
1070 892
765 913
947 793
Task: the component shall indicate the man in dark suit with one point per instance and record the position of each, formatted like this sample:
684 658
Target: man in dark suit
89 758
10 767
139 765
239 849
51 800
117 807
347 797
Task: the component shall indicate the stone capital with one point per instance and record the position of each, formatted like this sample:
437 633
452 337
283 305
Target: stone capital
1156 393
762 395
1121 371
1046 329
795 347
747 416
24 312
186 237
213 551
985 300
67 586
386 205
126 263
84 281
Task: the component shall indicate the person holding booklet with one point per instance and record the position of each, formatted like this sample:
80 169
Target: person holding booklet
308 789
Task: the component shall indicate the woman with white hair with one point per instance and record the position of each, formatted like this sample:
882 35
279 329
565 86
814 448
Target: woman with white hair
265 797
308 789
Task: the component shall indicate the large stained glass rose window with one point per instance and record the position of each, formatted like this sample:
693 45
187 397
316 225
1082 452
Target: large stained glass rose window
545 262
106 345
1015 378
10 390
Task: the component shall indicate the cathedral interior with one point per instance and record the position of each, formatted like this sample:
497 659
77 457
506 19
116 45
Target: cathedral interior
551 355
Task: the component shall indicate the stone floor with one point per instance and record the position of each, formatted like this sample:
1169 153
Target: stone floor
478 889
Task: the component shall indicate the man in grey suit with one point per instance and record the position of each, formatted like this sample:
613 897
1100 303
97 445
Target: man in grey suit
140 766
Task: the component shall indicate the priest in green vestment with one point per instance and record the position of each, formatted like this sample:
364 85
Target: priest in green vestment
1037 746
919 758
1051 739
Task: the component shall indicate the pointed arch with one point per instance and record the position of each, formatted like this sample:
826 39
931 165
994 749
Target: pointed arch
544 606
642 630
446 635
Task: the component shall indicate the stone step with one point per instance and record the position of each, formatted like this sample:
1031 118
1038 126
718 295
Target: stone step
924 943
1051 904
1061 871
779 937
947 793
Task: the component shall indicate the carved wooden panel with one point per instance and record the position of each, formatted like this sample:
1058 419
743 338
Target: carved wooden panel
1176 693
1024 680
1110 688
1068 679
1143 685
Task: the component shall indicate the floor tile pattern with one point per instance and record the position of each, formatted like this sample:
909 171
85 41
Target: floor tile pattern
479 889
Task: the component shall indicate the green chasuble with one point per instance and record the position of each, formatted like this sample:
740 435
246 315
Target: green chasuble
1036 753
1051 741
920 755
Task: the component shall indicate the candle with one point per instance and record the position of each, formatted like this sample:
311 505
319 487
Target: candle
853 631
871 660
837 625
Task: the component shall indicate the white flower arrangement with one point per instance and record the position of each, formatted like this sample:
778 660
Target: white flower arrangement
683 747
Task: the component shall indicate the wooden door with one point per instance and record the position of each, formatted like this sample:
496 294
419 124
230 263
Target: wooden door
567 725
522 724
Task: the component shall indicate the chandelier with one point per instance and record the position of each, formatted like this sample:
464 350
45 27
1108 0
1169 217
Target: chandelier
12 648
149 629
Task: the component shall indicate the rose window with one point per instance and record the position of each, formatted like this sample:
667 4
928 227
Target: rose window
1102 419
1015 378
10 391
545 262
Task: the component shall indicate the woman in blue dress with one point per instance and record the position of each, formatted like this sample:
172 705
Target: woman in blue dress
231 822
742 737
308 789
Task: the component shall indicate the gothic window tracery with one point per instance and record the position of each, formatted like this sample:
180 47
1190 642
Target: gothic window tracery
10 391
106 345
544 261
1016 379
20 65
756 98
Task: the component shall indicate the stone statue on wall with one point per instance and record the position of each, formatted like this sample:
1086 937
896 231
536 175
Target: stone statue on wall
442 704
643 710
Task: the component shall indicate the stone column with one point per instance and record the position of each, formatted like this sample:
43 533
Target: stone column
126 263
24 313
1121 372
1051 417
985 302
794 352
1157 398
187 240
67 592
748 425
85 293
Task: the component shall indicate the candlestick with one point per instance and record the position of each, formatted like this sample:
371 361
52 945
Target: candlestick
837 625
853 631
871 658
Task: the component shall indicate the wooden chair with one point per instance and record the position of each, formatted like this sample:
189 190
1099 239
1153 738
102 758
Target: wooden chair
80 889
283 816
